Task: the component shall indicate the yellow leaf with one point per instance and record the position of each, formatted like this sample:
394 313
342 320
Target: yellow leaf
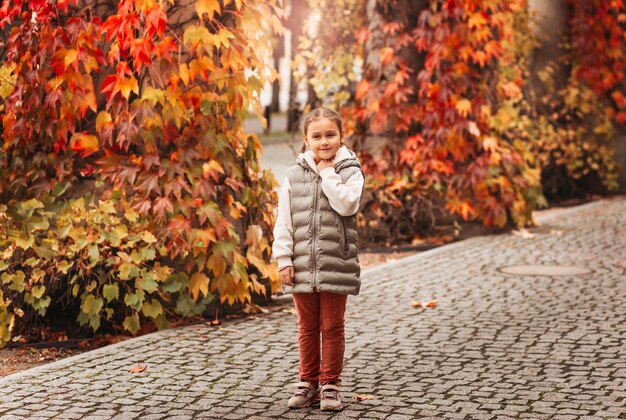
183 72
210 7
224 36
199 283
195 35
464 107
103 118
148 237
152 95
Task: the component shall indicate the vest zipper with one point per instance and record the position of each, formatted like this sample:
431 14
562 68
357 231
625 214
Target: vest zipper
314 250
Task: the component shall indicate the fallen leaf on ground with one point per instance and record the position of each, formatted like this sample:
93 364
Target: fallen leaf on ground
556 232
253 309
290 310
363 397
420 304
138 368
230 330
523 233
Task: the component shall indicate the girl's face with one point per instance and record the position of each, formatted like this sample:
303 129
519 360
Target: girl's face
323 138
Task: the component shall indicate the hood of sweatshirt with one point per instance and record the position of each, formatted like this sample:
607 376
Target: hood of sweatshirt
343 154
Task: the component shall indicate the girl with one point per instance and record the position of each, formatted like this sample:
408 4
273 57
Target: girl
315 244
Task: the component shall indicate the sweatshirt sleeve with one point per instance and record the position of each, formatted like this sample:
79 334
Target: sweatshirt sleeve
282 248
343 198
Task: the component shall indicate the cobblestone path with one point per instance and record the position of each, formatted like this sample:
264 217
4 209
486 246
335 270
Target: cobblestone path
496 345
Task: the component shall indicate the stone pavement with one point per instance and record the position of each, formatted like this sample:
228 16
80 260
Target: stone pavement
496 346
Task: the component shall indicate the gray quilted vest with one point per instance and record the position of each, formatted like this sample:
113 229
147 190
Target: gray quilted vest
325 248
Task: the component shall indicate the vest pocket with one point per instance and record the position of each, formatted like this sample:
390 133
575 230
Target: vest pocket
345 246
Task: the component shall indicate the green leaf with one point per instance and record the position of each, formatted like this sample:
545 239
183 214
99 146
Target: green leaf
152 309
94 322
131 323
186 306
91 305
94 254
111 292
148 254
135 300
24 242
146 281
40 305
15 281
38 291
45 252
161 322
32 204
128 271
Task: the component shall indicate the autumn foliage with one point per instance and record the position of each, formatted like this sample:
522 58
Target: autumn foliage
130 190
447 121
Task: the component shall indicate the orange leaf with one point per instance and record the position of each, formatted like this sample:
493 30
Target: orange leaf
126 85
361 89
363 397
476 20
199 283
138 368
490 143
431 304
211 169
84 143
70 57
420 304
386 55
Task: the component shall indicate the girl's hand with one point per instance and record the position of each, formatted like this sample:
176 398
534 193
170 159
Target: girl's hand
325 163
286 276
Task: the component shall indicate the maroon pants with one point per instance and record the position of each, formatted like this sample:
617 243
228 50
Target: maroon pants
321 312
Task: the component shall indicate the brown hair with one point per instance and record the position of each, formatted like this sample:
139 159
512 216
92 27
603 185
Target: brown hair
318 114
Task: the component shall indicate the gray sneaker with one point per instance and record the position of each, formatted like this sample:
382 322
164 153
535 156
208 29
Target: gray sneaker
330 398
304 395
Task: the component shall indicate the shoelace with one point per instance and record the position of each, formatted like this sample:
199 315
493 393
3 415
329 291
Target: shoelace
329 394
302 391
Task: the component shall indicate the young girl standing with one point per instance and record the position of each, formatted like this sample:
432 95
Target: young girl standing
315 244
